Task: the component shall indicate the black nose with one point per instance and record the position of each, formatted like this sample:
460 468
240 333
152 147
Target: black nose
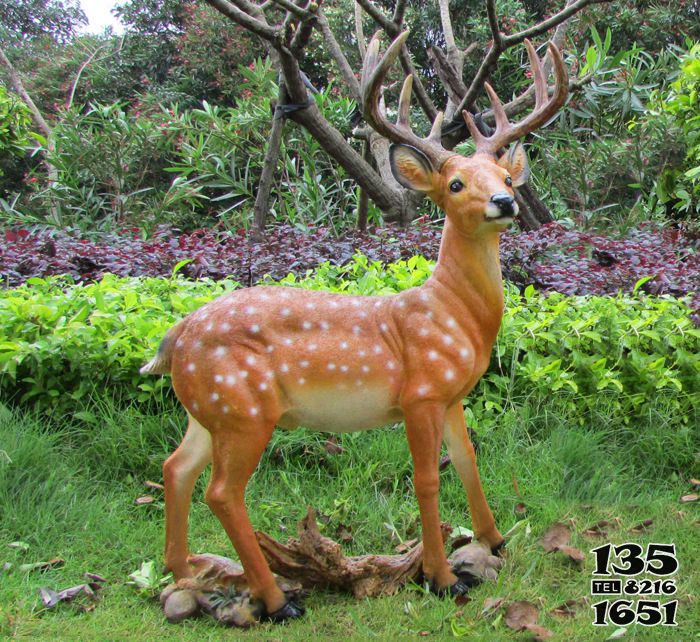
504 202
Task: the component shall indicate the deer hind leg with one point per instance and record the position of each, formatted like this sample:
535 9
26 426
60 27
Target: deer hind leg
236 455
180 472
424 428
461 452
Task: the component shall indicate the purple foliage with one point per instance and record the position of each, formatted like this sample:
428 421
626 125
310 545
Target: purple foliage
552 259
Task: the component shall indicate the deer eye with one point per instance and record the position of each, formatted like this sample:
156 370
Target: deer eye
509 181
456 186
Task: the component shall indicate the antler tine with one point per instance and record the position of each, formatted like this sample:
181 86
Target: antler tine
374 71
545 107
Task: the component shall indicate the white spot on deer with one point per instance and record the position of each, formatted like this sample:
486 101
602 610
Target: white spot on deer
210 327
449 374
284 294
423 390
288 341
344 368
359 382
365 368
243 374
391 365
286 312
284 368
254 329
334 304
269 374
225 327
331 366
423 332
429 314
310 306
179 342
401 303
377 349
356 329
195 406
218 378
250 310
270 348
355 303
250 360
214 396
191 367
451 323
448 340
230 380
221 351
304 364
343 345
312 347
254 411
301 381
231 312
362 353
383 327
198 344
423 296
433 355
464 353
324 325
306 325
262 387
225 409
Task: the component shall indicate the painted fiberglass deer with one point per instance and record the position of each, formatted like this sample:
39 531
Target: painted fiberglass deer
269 356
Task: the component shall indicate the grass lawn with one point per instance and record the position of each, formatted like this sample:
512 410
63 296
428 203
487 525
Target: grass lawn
67 490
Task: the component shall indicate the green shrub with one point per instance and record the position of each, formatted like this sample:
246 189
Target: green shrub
58 341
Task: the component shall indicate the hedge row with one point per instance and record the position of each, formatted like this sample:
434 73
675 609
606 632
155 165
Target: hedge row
59 340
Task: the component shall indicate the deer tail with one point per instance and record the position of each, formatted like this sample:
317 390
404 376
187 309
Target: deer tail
160 364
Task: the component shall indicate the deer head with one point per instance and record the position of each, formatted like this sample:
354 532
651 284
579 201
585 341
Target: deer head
476 193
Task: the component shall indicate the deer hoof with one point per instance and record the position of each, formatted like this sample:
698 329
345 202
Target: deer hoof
460 587
289 611
499 548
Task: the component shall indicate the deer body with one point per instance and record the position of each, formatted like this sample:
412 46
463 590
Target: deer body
269 356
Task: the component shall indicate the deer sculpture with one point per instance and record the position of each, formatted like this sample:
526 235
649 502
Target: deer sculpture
271 356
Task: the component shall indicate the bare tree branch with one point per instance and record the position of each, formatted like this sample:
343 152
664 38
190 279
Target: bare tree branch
493 23
543 27
421 94
399 12
256 26
385 23
299 12
88 61
334 49
359 31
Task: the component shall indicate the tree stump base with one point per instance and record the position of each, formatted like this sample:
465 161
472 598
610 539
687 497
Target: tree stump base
219 587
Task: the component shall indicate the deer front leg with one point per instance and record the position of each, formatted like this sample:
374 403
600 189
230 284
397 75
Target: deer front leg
180 472
424 429
236 455
461 452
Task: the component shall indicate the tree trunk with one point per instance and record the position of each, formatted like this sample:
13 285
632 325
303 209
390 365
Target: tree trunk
533 212
262 198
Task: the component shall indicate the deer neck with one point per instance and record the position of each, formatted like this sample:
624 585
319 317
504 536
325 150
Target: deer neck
468 272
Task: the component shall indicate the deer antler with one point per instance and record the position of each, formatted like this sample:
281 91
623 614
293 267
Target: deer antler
374 71
545 107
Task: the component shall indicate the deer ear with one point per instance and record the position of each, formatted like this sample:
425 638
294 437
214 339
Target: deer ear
411 167
515 161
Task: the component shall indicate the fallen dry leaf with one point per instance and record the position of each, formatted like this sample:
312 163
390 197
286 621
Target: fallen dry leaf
568 608
461 600
618 633
692 497
516 488
598 530
574 554
695 482
344 533
144 499
406 546
520 614
56 562
539 632
333 447
444 462
520 509
642 528
555 536
154 485
491 604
